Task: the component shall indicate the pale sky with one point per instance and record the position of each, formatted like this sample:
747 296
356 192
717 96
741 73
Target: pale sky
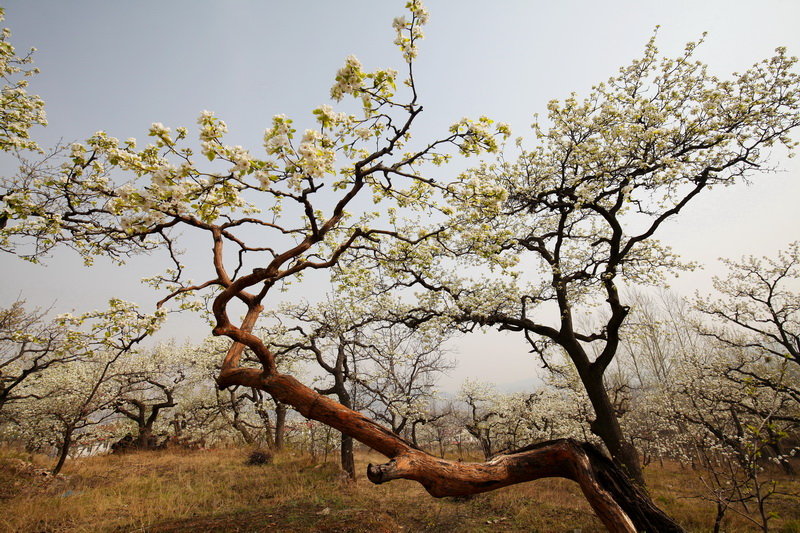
119 66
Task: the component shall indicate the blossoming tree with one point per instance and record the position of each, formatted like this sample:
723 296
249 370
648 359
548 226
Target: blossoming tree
29 346
68 400
19 110
534 244
758 310
146 385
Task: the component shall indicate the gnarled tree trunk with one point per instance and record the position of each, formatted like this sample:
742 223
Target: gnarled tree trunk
619 504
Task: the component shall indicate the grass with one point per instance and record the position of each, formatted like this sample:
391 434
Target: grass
214 490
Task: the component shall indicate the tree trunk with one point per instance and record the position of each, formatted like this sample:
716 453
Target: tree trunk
244 432
414 432
619 504
483 439
66 442
267 423
718 518
606 426
348 462
145 439
280 424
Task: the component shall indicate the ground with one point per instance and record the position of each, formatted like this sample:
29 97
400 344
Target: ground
214 490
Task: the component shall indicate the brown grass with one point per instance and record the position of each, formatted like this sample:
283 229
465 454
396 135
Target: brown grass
214 490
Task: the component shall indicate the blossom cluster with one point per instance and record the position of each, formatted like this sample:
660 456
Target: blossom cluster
19 110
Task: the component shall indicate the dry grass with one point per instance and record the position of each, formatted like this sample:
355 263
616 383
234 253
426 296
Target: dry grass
216 491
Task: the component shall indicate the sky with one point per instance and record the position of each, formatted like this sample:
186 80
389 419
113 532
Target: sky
120 66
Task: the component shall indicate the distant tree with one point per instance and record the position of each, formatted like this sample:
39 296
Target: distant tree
71 399
372 363
206 413
30 344
686 404
440 426
505 421
480 420
329 334
735 430
148 384
758 313
647 142
659 337
398 373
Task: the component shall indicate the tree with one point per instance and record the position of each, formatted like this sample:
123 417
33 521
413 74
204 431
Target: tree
501 422
442 426
71 399
398 370
29 346
247 411
149 383
554 233
375 364
481 420
329 333
759 312
300 230
734 429
684 403
204 414
659 339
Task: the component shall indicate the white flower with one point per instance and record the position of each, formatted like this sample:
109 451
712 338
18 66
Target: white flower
348 78
240 158
311 136
277 143
205 116
157 129
263 179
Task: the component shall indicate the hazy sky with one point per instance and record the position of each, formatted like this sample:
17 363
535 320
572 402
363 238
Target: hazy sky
119 66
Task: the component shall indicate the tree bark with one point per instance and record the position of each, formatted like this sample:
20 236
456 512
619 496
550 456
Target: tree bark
348 462
244 432
63 452
347 459
145 439
606 424
263 414
483 439
620 504
280 424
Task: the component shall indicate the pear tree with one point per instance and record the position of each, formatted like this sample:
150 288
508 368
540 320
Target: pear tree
537 243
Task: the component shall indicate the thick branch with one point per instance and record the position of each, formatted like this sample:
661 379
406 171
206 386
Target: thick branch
618 503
